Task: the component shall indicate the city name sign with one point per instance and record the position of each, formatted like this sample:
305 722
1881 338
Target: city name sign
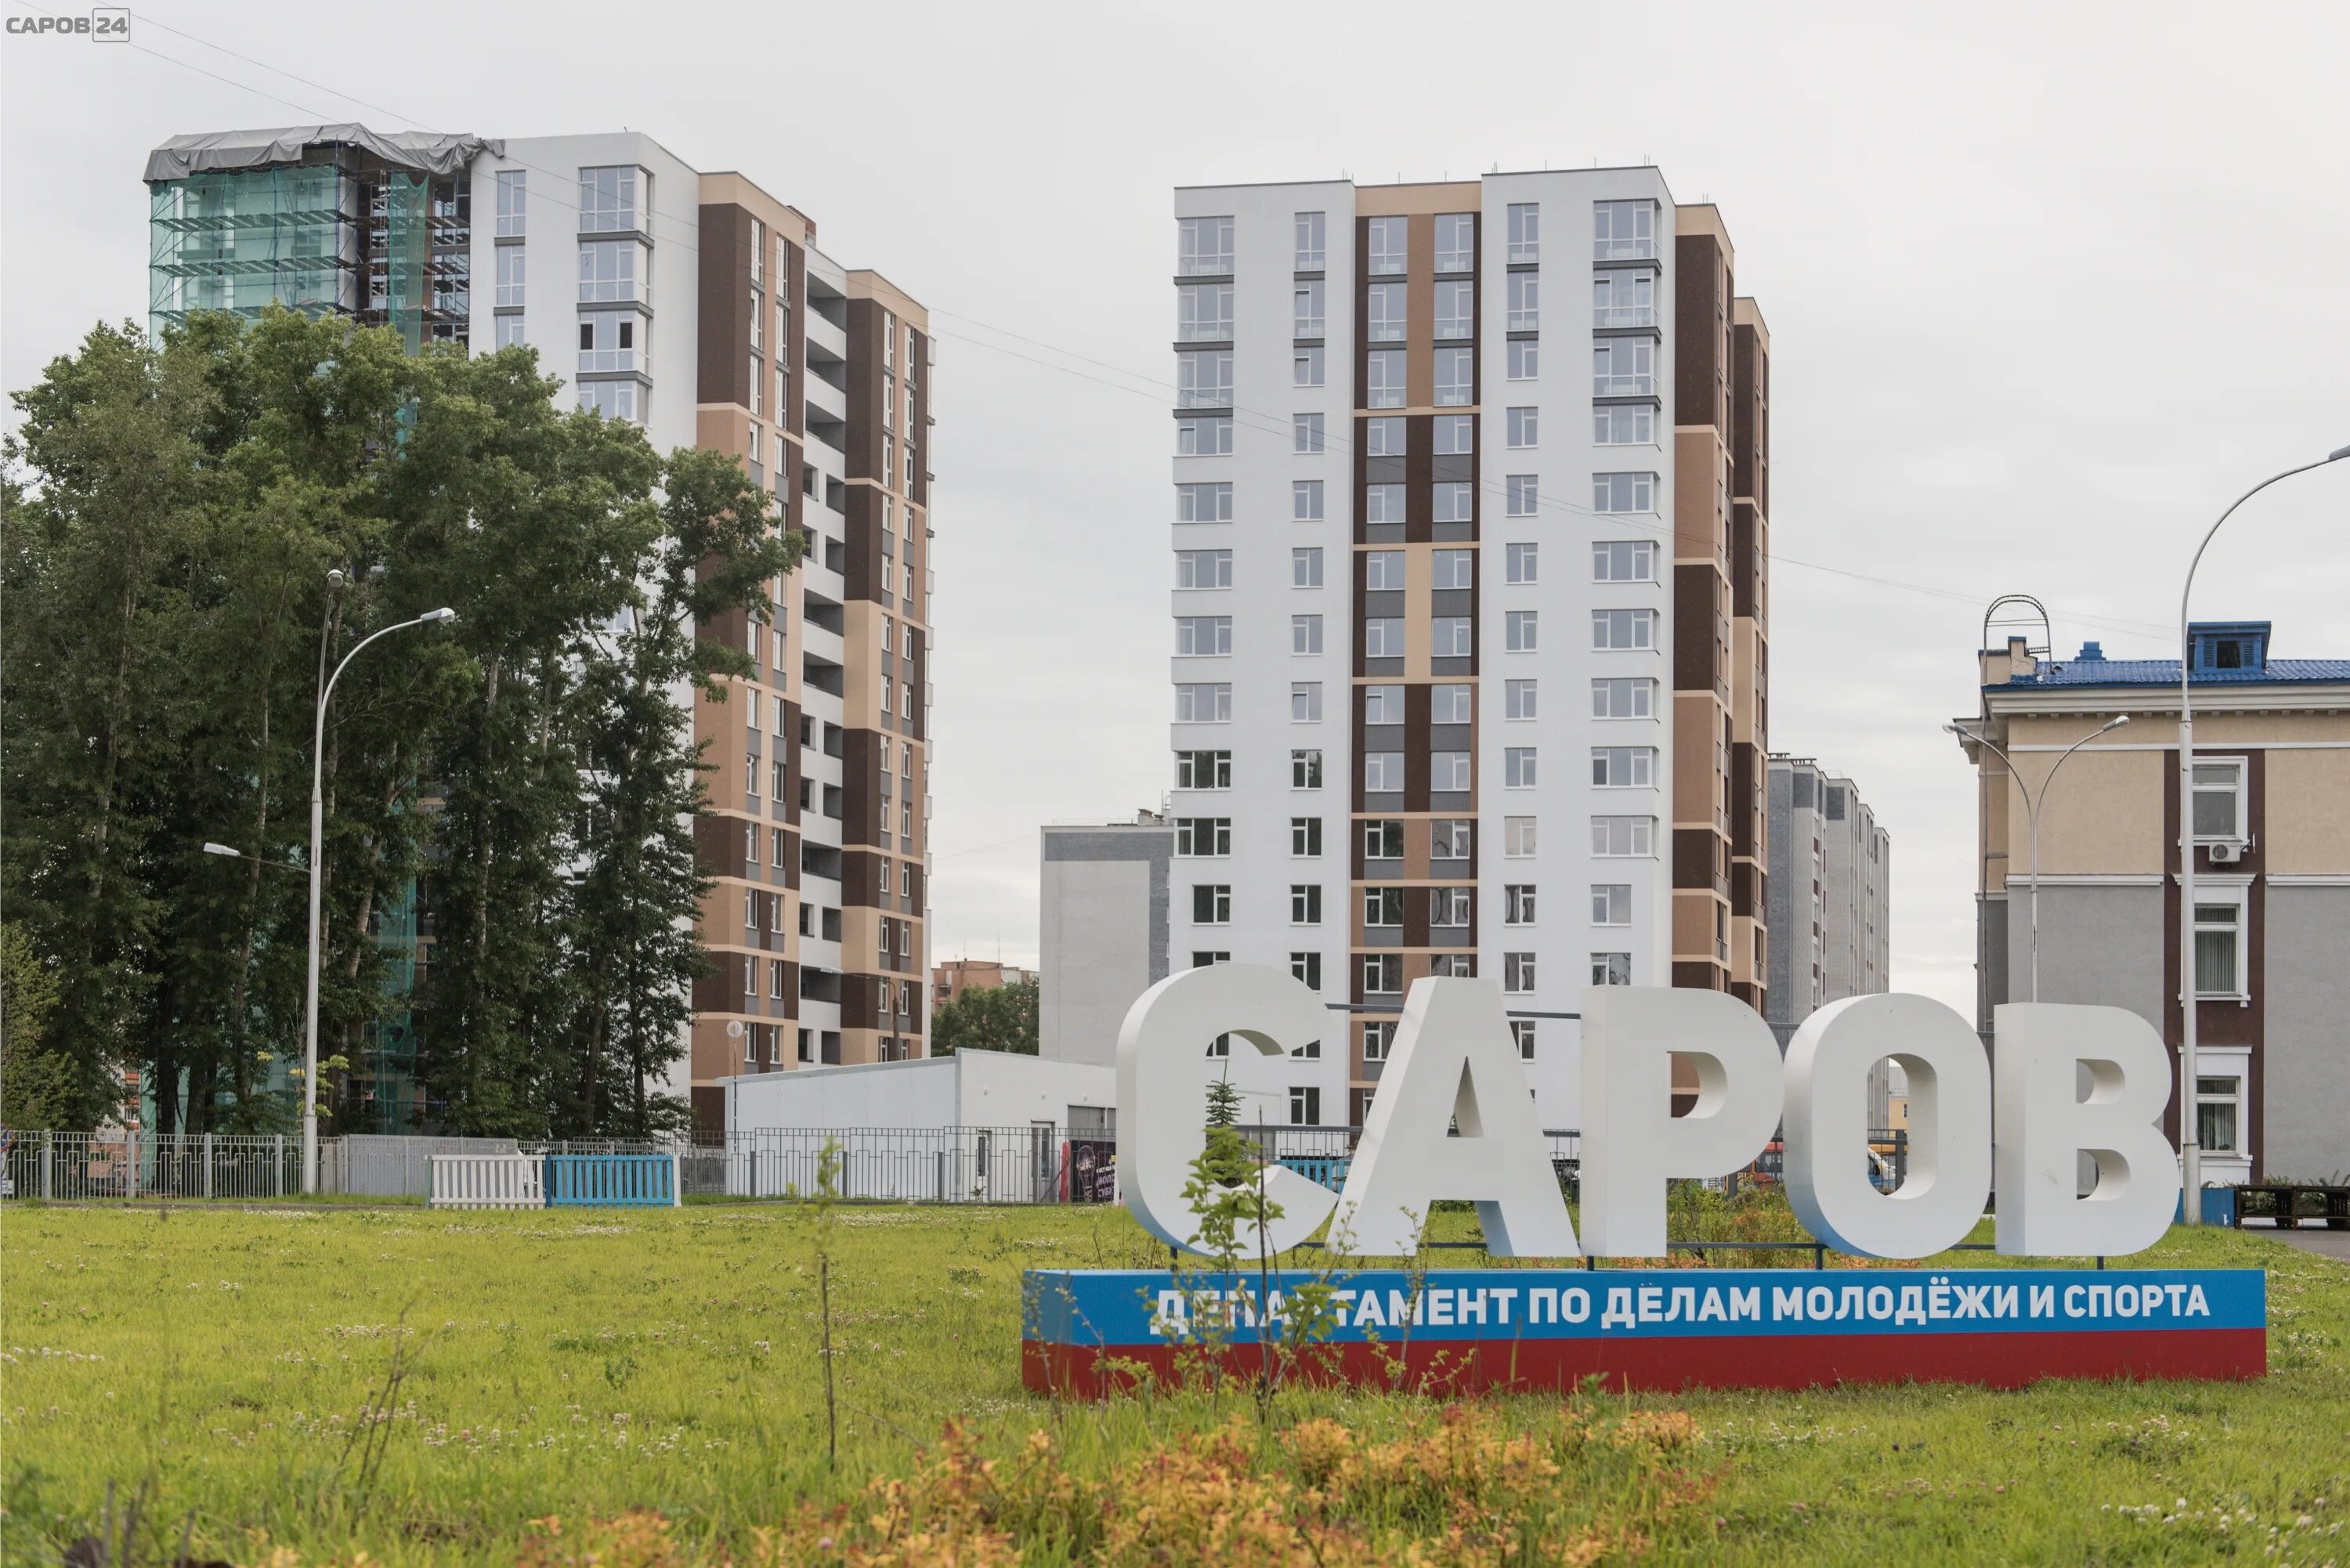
1453 1120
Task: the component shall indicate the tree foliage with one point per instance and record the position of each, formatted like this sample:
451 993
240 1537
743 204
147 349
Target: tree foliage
997 1018
523 780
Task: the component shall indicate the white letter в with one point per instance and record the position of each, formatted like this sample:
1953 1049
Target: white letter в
2044 1126
1941 1196
1453 1065
1632 1142
1162 1105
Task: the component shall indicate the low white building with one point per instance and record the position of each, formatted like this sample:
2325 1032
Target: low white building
967 1089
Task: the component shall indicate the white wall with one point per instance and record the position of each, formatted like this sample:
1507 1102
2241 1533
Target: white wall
970 1089
1095 955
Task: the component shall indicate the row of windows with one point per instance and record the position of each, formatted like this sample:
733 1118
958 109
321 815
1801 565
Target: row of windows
1450 636
1628 424
1449 501
1382 975
1203 311
1449 909
1211 702
1612 561
1620 230
1620 368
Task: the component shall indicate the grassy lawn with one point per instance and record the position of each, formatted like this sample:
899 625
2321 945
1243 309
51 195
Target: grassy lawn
303 1386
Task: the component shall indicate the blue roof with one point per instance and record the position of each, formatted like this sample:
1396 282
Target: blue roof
2164 672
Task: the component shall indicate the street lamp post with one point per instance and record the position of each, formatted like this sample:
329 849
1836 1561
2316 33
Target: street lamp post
2031 809
2190 1134
318 835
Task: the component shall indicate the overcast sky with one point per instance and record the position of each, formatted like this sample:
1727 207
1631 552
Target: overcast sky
2047 287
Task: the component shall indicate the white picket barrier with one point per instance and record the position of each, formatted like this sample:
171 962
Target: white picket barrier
487 1182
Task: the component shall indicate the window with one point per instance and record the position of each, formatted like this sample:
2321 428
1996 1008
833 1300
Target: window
2219 952
1611 969
1617 837
606 341
1522 1034
1203 568
1203 770
1204 379
1524 493
607 201
1623 629
1456 377
1383 840
1203 313
1518 837
1518 767
1202 636
1447 771
1455 434
1201 960
1306 904
513 189
1384 312
1623 699
777 841
1518 904
1525 301
1382 704
1451 637
1456 311
1623 230
1623 492
1310 227
2216 1104
1624 561
1450 702
1202 703
1306 433
1628 424
1305 366
1211 904
1305 634
779 779
1519 696
1305 500
1522 625
1383 905
1383 570
1611 903
1624 367
1305 770
1452 501
1196 838
613 400
1387 241
1306 701
1452 908
1522 564
510 275
1204 246
1203 503
1383 773
1624 299
1525 428
1517 973
1383 637
1623 767
2219 800
1305 311
1383 437
1204 438
509 331
759 340
1456 242
1306 569
1383 974
1450 838
1308 967
1525 358
1385 368
1526 232
612 269
1378 1038
1305 837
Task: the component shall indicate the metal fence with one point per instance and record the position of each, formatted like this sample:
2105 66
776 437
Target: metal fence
69 1166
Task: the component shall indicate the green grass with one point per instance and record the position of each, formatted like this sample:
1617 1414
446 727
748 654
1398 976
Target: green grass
588 1364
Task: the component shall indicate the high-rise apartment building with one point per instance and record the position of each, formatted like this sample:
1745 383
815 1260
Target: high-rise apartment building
1469 595
1831 883
696 306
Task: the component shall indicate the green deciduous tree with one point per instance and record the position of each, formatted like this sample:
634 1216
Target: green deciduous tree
999 1018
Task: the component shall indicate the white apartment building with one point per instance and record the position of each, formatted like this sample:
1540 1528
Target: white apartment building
1426 550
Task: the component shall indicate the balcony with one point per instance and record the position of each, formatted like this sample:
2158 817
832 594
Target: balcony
1630 247
1527 319
1387 265
1307 328
1623 316
1456 261
1524 252
1455 328
1208 331
1218 264
1632 385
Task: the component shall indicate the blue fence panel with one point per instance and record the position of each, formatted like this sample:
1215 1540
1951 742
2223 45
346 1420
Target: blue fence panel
611 1182
1329 1170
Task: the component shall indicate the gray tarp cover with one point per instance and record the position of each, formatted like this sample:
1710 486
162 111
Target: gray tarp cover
214 152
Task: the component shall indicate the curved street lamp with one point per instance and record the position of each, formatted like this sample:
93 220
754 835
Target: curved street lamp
2031 807
2190 1132
318 833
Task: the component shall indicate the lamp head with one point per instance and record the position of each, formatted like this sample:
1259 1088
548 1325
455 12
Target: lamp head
2337 454
444 613
2116 723
211 848
334 579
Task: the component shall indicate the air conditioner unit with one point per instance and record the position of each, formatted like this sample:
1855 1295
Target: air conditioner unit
2226 852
